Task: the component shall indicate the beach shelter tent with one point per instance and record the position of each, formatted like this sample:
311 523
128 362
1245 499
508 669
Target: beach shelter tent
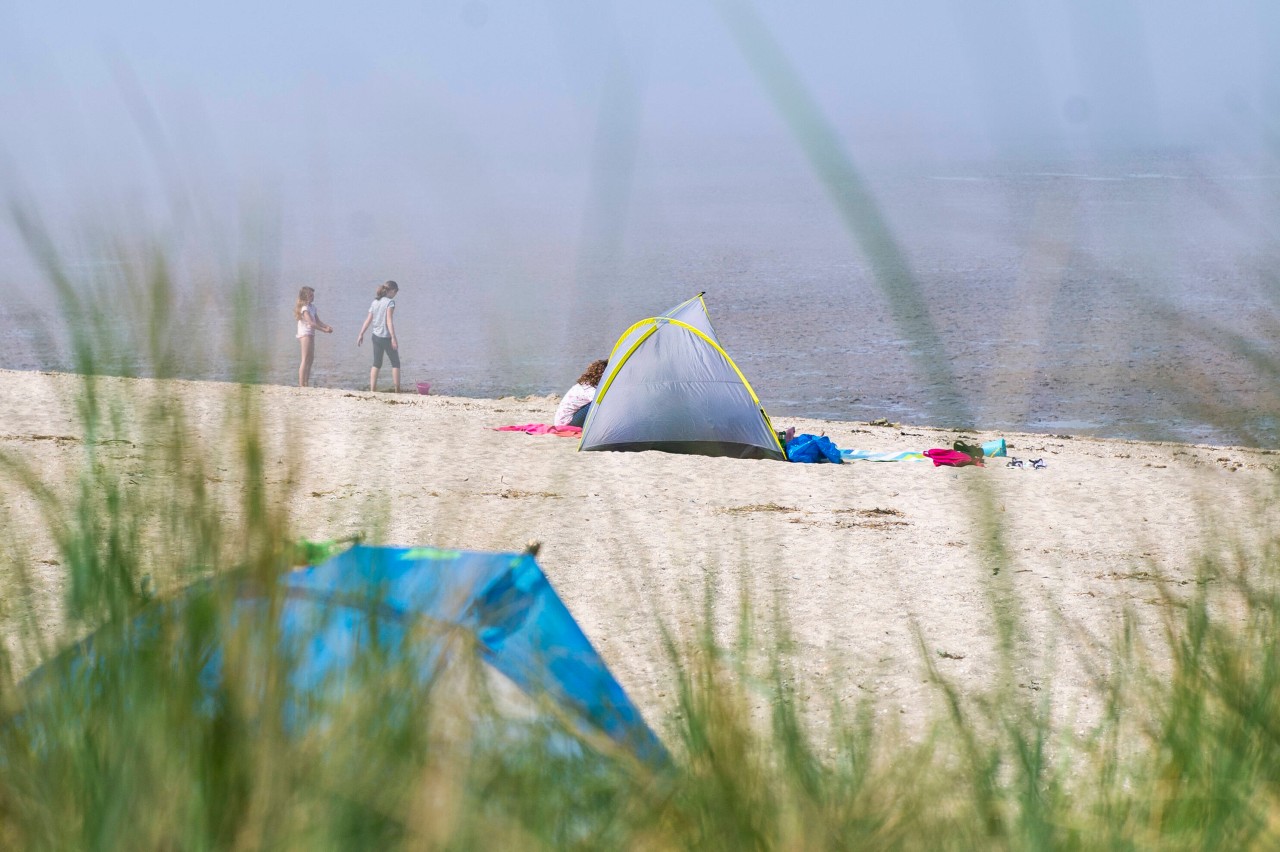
671 386
415 609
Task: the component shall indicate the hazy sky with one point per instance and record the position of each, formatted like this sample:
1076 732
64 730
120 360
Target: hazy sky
518 132
106 96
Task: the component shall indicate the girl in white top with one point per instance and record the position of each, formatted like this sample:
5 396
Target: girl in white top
308 322
577 400
383 321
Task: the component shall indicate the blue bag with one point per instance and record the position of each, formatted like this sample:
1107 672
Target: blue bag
813 449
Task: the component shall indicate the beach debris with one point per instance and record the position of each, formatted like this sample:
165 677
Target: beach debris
882 421
57 439
868 512
517 494
873 524
757 507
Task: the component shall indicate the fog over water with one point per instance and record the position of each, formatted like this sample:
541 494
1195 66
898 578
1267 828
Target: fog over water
1085 193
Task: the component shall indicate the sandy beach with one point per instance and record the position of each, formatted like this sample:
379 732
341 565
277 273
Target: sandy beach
858 556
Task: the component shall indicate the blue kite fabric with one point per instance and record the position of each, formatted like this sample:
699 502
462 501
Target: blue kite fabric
417 608
522 627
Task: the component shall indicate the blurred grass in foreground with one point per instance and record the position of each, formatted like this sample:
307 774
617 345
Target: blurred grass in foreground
139 753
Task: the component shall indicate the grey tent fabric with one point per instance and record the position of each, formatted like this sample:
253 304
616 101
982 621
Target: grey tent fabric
670 386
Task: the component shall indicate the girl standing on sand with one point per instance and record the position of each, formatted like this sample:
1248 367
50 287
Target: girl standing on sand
381 323
308 321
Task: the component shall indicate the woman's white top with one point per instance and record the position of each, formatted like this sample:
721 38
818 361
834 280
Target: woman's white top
307 322
576 397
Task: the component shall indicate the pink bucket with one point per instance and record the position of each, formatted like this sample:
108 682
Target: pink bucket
424 388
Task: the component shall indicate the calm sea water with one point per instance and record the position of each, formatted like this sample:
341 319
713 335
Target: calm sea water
1133 299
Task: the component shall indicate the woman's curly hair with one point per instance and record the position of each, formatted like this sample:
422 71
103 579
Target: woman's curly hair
593 374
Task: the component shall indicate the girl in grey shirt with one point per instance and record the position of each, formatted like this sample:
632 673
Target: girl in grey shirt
381 324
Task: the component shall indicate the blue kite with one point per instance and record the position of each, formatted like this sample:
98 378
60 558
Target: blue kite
419 607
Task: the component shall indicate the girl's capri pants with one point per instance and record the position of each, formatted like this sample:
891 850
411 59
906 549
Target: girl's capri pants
383 345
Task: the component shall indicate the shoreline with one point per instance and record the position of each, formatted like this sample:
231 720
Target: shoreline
408 394
1092 429
858 557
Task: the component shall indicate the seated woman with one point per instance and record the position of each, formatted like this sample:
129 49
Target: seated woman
577 400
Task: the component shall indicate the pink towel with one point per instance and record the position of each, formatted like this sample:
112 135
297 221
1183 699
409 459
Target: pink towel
954 458
543 429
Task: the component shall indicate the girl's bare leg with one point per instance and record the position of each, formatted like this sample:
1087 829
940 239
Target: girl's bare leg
395 378
308 354
373 379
